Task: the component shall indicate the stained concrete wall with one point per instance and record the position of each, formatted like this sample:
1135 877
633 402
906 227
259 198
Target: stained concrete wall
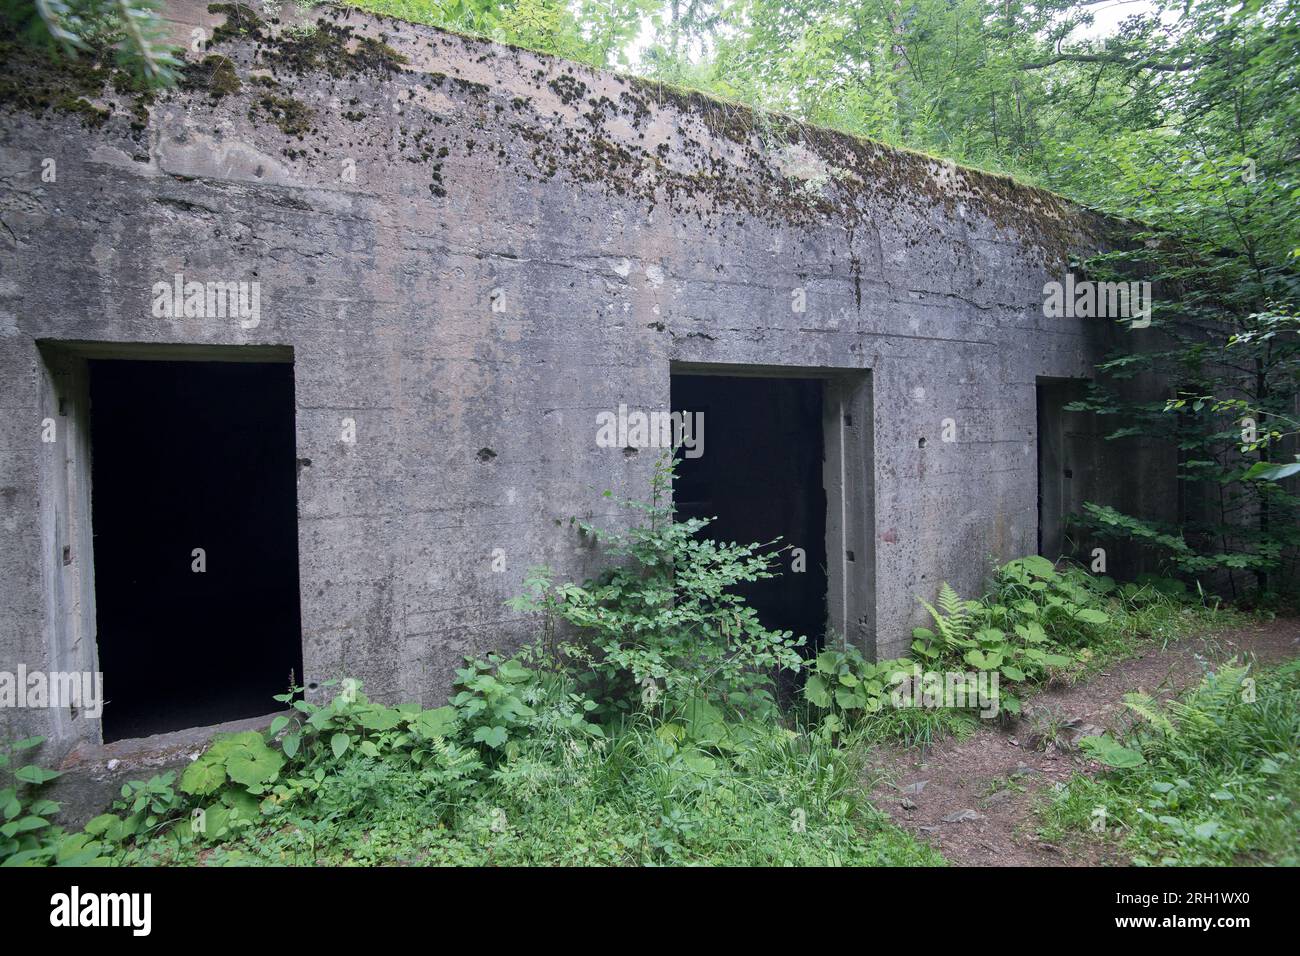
524 243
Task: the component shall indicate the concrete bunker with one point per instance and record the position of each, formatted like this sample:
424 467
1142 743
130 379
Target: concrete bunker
487 248
785 457
187 470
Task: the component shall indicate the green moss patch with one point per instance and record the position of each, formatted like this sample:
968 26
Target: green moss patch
215 74
293 117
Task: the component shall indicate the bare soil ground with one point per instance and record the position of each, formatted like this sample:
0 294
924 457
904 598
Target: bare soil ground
973 799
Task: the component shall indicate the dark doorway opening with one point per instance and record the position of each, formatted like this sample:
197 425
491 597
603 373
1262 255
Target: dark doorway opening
1071 464
185 456
761 476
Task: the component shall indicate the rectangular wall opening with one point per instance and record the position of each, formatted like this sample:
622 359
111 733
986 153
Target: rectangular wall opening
1070 463
786 454
195 540
760 479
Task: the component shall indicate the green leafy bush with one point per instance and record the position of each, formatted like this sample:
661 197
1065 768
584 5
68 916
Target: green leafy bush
244 759
1066 602
664 623
845 687
1030 621
619 742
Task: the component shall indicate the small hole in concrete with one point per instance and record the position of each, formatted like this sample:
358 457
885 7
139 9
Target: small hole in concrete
485 454
920 442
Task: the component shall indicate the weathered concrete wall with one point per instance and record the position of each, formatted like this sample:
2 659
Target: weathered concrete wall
525 242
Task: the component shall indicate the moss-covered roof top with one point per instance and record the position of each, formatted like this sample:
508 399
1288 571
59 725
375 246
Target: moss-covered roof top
631 136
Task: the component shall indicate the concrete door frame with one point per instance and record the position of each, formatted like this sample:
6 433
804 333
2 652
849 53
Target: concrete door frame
848 478
67 537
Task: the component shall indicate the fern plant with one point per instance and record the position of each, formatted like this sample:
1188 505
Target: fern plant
1022 629
952 620
1148 709
1212 778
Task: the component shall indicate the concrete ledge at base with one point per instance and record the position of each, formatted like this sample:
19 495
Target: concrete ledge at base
93 775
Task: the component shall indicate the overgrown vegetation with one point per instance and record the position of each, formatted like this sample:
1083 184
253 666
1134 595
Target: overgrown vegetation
28 836
1209 780
1209 166
645 734
1022 629
642 728
1038 622
664 620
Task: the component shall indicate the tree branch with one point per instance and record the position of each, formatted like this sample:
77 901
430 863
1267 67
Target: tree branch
1112 58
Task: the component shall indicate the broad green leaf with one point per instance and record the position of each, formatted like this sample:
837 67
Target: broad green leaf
848 698
36 775
816 691
254 764
439 722
203 776
984 660
1105 749
103 823
24 825
494 737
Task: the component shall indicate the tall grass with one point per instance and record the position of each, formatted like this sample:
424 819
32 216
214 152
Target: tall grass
1220 779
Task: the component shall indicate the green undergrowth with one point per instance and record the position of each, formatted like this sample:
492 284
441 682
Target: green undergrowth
636 798
1038 624
356 782
1211 779
643 727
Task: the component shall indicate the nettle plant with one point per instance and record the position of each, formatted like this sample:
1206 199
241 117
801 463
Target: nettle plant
28 837
664 625
848 686
502 702
1065 602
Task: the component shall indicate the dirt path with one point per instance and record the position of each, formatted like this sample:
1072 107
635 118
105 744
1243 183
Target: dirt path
973 799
